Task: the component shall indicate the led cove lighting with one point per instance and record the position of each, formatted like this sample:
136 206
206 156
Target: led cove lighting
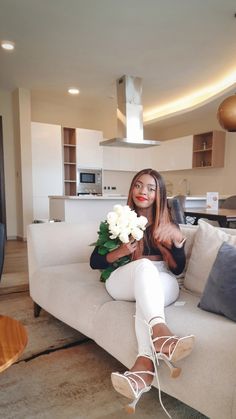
73 91
8 45
193 99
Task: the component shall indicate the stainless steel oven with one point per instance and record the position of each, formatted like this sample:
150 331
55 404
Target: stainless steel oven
89 181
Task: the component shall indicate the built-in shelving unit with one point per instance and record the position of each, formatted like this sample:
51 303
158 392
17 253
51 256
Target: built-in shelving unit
209 149
69 153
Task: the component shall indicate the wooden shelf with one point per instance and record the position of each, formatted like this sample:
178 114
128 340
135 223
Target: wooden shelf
69 136
209 149
202 150
69 153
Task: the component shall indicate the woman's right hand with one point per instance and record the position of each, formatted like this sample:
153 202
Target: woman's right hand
125 249
169 234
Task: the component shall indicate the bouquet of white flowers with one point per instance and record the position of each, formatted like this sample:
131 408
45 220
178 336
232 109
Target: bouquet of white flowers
120 225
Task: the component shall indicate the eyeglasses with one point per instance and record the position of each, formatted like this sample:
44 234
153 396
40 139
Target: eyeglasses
150 188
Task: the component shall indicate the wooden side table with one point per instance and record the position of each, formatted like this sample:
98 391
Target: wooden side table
13 340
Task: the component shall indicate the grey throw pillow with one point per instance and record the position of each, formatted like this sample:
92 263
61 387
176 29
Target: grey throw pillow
219 295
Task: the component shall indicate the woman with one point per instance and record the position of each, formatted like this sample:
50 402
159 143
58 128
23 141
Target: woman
149 279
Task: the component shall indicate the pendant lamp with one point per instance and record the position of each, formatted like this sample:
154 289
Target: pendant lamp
226 114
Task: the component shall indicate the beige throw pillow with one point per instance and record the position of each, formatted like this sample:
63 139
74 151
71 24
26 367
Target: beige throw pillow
208 240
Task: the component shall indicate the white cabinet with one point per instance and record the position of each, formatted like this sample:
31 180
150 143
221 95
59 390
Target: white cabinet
126 159
47 176
173 154
89 153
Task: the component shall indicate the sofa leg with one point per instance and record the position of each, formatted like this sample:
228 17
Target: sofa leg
37 310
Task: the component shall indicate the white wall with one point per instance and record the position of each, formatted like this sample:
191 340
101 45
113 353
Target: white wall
22 124
9 162
66 111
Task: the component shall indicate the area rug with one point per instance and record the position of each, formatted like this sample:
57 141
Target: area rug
44 332
74 383
63 375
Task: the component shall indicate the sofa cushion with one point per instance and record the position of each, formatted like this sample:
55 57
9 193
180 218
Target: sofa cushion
208 240
219 295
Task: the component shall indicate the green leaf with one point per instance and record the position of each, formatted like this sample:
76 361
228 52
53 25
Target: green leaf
106 273
103 250
122 261
111 244
125 259
103 228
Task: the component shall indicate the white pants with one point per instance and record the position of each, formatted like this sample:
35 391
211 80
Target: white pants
152 286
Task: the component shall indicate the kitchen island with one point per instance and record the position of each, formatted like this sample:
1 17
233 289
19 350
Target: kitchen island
80 209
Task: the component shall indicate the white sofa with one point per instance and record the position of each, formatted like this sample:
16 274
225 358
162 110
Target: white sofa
62 282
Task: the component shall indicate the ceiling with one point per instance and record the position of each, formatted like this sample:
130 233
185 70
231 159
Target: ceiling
176 47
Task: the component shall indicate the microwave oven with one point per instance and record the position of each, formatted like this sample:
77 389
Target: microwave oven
89 181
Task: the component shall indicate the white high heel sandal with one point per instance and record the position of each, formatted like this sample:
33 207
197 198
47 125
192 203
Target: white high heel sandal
127 385
178 349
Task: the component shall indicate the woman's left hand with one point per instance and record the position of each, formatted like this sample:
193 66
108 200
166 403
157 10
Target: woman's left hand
168 235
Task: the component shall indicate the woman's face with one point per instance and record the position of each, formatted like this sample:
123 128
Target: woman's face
144 191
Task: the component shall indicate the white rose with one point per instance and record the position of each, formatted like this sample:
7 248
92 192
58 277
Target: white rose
112 217
124 237
137 234
118 209
127 209
141 222
114 230
132 217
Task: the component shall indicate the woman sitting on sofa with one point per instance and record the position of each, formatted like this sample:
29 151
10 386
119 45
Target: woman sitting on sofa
149 279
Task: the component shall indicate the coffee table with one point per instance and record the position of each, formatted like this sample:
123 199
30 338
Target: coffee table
13 340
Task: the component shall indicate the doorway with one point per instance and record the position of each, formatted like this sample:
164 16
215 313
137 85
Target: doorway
2 180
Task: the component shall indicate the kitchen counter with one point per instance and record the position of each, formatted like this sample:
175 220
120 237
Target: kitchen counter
74 209
200 201
82 208
89 197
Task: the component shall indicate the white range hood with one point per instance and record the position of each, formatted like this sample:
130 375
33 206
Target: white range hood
129 115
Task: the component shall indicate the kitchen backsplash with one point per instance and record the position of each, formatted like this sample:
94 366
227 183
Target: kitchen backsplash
117 182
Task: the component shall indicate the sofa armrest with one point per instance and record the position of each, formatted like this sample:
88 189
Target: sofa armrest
59 243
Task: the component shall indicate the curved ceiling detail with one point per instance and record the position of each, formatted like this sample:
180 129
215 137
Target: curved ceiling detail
191 101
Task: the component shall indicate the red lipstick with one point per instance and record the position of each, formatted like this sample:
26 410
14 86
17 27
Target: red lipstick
141 198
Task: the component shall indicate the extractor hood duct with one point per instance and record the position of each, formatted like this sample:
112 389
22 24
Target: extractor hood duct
129 115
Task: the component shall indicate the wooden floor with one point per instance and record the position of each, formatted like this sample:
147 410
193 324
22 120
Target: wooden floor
15 259
15 276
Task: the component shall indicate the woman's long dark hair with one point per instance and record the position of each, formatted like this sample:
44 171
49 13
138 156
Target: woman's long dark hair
160 215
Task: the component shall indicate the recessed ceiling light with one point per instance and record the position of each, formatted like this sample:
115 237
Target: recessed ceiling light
8 45
73 91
